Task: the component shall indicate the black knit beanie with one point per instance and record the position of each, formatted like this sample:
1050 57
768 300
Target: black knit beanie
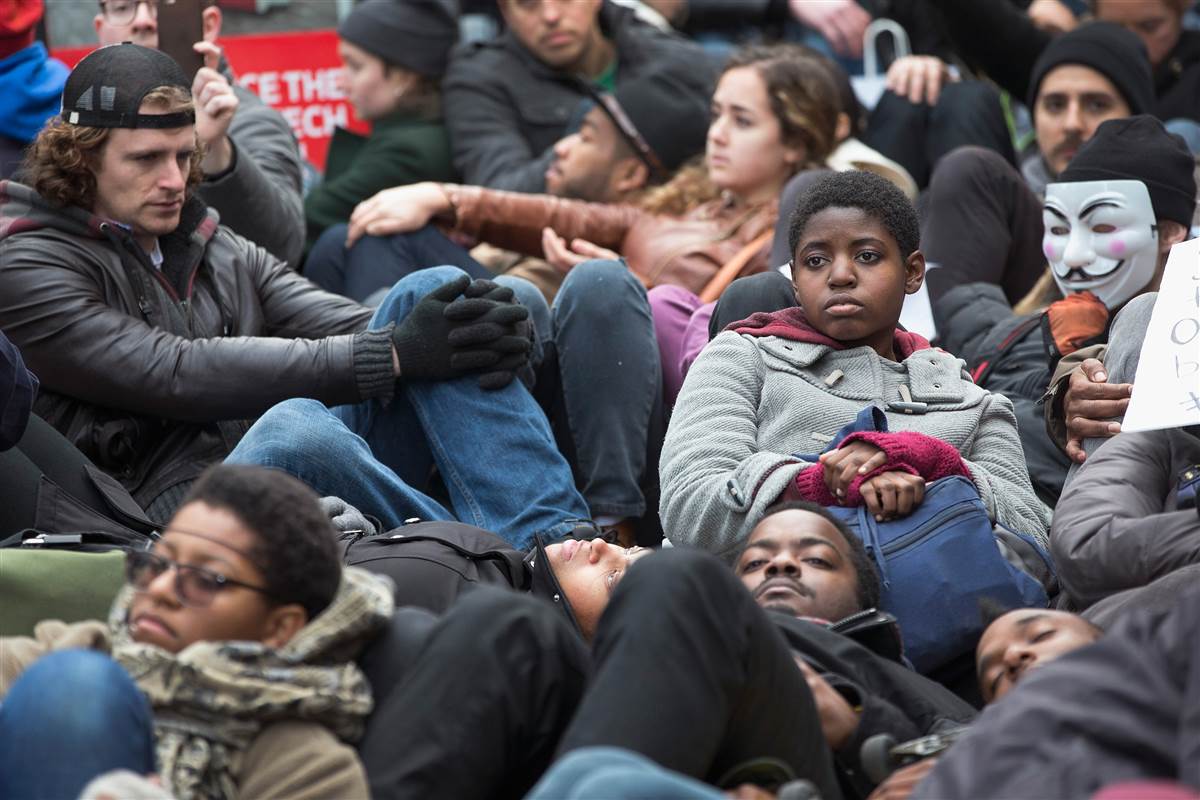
1140 149
1107 48
413 34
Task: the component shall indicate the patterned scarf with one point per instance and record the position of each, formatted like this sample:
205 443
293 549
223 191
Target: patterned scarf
211 699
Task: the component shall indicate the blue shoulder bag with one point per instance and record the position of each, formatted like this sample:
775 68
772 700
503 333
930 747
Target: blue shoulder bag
937 563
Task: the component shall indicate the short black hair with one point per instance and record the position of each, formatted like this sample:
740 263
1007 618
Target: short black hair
873 195
868 588
294 545
990 610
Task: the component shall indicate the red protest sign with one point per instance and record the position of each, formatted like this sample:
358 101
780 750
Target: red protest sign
296 73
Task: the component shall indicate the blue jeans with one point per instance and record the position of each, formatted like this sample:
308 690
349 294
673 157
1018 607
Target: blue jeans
1188 130
611 385
616 774
377 262
72 715
494 450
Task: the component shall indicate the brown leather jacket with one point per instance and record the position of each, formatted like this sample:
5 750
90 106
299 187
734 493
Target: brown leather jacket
685 251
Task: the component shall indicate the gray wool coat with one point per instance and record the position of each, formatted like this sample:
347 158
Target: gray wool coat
751 404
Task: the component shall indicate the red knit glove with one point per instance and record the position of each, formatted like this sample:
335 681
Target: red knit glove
906 451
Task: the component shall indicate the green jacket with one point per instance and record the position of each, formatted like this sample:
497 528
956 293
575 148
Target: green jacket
402 148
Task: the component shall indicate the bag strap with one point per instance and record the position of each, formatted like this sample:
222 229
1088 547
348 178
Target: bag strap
732 268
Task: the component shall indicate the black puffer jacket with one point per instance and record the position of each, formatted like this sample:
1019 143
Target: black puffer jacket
1006 354
432 563
504 108
152 373
894 699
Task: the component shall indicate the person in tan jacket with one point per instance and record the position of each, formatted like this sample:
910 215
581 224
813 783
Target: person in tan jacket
227 674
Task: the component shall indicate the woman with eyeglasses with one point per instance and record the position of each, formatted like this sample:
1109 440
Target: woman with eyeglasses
229 672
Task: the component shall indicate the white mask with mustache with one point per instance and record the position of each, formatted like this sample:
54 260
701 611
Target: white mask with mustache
1101 237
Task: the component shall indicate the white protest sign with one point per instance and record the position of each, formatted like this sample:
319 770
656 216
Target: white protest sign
1166 389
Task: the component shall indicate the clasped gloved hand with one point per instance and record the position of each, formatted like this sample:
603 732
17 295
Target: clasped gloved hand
461 328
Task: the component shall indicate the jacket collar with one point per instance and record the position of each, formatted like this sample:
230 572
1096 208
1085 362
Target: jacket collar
792 324
544 584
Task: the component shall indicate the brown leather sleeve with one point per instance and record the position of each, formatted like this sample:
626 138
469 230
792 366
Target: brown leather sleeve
514 221
1052 409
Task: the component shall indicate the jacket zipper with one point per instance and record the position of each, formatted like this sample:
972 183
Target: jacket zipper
845 622
954 511
184 303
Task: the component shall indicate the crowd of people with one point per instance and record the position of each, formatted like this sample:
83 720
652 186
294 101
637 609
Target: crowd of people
642 409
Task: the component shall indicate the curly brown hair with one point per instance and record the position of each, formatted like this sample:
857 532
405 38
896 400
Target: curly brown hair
803 97
60 165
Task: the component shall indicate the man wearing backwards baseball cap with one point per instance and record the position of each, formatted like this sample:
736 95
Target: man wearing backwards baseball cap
153 329
252 166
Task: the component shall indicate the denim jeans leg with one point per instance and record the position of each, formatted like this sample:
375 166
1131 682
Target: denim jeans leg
617 774
494 449
305 439
608 358
72 715
326 262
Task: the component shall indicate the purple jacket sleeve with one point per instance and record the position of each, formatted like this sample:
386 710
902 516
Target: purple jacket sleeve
18 387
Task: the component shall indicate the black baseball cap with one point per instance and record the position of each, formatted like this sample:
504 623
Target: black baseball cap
662 117
106 89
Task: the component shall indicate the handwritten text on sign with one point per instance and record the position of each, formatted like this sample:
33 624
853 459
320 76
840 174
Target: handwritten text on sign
1166 390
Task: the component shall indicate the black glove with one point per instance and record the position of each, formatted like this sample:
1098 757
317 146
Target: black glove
433 343
494 320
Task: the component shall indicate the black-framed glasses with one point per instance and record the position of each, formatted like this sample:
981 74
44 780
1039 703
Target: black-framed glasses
122 12
194 586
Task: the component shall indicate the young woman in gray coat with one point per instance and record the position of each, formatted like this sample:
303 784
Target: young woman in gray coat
777 385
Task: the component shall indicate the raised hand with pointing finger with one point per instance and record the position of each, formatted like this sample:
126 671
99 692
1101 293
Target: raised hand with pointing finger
215 106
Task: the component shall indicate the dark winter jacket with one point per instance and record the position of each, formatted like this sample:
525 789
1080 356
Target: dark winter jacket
432 563
1118 525
1006 354
1126 708
403 148
895 699
151 373
505 109
18 387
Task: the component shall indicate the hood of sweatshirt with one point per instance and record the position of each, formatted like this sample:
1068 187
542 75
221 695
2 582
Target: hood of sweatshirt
793 325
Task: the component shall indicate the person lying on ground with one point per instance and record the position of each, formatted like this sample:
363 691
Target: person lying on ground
224 667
